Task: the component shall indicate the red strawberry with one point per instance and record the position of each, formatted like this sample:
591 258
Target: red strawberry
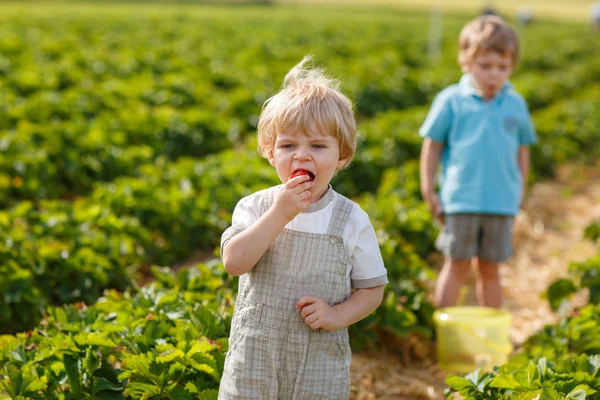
300 172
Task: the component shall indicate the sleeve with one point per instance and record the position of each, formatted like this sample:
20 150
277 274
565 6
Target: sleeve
246 213
439 119
527 135
368 269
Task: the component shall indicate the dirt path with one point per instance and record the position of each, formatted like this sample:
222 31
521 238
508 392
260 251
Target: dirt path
548 236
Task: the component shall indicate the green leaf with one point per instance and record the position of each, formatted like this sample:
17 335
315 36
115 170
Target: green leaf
592 231
16 379
205 363
473 376
505 382
202 346
578 394
72 366
180 393
526 376
36 384
190 387
549 393
559 291
459 383
93 339
139 364
170 355
210 394
60 315
101 384
92 361
164 275
141 389
541 367
594 362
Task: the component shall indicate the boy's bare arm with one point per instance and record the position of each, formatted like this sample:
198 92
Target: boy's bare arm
360 304
523 161
318 314
430 157
243 251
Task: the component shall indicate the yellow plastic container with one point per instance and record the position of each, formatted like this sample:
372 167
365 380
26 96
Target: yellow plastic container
472 337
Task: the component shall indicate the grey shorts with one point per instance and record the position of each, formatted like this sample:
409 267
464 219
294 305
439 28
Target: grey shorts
487 236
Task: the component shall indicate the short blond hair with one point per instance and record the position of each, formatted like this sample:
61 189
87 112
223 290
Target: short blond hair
487 33
308 99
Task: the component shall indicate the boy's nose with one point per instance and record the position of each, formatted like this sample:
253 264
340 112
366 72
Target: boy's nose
302 154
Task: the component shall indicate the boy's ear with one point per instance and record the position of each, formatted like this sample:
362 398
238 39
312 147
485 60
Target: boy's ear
341 163
465 67
271 159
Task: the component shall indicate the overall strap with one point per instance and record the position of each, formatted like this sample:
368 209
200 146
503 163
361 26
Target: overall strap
340 215
268 198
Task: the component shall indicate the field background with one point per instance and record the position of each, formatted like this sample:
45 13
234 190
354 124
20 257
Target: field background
127 136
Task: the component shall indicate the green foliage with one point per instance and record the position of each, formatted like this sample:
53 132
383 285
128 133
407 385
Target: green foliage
582 275
576 334
62 253
386 141
406 232
570 377
166 340
184 203
592 232
568 130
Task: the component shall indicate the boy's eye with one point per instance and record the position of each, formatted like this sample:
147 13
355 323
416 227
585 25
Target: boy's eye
318 146
287 146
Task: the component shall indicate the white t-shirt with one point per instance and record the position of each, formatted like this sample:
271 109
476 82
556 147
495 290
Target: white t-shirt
365 269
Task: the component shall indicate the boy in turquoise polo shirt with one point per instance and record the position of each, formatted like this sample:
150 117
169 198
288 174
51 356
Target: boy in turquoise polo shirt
480 128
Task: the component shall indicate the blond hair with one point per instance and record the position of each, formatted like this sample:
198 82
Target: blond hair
308 100
487 33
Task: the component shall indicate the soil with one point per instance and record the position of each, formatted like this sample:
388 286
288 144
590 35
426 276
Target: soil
548 237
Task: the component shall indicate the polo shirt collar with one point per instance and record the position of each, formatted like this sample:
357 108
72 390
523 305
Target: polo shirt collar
468 88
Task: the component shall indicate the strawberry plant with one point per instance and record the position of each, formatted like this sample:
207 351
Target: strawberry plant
165 340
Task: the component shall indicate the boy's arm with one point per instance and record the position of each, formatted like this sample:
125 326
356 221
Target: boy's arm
430 157
523 161
318 314
360 304
242 251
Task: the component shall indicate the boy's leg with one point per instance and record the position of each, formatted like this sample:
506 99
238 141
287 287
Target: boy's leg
489 292
458 241
450 280
496 247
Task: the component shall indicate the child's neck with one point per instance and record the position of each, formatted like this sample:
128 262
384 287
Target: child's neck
320 196
480 93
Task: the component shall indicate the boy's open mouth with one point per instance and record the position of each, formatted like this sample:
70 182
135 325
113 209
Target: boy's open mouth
299 172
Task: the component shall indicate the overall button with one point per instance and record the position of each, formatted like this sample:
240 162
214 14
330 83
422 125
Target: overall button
332 240
331 196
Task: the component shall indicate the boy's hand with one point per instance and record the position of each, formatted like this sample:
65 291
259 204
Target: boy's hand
318 314
293 197
435 206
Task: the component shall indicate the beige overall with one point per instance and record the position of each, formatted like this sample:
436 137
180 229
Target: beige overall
273 354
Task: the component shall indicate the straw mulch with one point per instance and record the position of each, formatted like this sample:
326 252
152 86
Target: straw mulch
548 236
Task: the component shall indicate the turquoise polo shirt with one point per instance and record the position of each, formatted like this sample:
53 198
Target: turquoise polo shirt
480 173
